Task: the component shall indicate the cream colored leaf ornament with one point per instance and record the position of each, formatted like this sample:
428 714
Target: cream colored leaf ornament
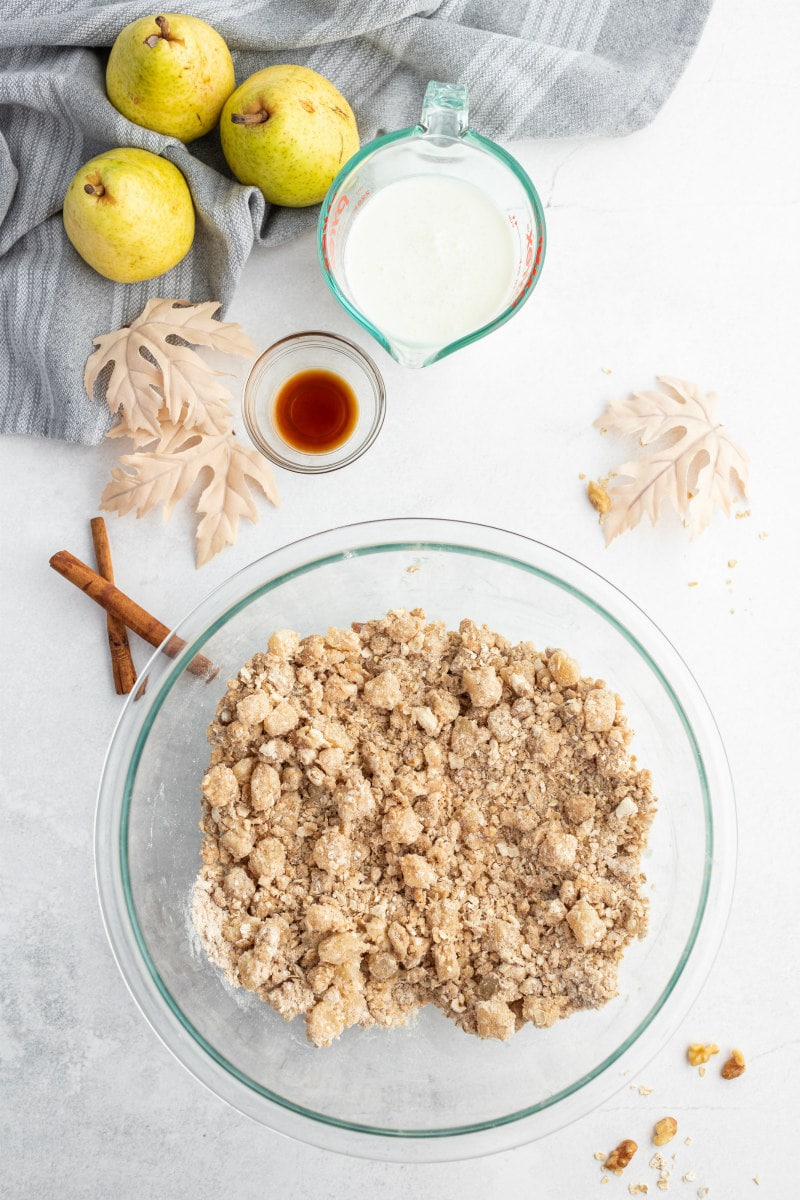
691 463
177 413
154 366
164 476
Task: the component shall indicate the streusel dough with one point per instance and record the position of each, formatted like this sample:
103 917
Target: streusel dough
397 815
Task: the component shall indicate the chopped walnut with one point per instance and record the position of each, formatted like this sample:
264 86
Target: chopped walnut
619 1158
734 1067
598 497
397 815
664 1131
699 1052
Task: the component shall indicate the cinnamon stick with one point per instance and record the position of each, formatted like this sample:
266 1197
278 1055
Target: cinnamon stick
118 644
132 614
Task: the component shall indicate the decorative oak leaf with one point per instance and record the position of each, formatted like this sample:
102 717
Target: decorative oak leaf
150 364
164 475
177 414
693 464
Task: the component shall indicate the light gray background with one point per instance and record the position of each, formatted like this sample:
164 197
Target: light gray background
675 250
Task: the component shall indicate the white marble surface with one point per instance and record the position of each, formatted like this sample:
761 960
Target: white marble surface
676 251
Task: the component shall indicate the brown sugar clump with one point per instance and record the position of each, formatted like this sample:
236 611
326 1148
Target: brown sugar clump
397 815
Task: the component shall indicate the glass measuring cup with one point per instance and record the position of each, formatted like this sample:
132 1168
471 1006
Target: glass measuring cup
444 147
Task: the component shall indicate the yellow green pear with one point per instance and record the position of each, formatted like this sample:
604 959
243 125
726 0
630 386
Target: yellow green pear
289 131
129 214
171 73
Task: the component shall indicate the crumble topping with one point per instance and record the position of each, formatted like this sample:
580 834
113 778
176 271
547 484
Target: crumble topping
397 814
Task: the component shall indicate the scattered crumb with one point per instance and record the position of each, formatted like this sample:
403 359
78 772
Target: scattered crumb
644 1090
607 371
411 570
598 497
702 1192
763 535
582 475
732 562
657 1162
693 583
741 515
687 1141
731 611
603 432
734 1067
701 1072
604 1179
637 1189
663 1184
729 581
620 1156
689 1177
699 1052
756 1180
600 1155
664 1131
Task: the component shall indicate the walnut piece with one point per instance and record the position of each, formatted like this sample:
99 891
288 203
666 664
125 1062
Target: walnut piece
619 1158
598 497
664 1131
734 1067
699 1052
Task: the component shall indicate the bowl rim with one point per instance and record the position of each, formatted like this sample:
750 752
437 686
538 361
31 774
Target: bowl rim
119 911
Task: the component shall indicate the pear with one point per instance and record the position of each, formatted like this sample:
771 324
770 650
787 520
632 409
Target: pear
129 214
170 73
288 130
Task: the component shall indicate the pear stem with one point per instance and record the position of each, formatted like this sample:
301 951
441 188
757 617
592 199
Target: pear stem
164 32
93 189
255 118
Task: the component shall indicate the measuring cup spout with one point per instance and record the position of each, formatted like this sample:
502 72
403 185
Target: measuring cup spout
412 356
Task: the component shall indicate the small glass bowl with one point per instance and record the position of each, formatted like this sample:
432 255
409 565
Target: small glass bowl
309 351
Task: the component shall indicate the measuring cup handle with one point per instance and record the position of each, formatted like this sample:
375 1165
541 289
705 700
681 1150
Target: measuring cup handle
445 110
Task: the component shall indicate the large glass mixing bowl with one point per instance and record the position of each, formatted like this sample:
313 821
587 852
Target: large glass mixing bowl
427 1091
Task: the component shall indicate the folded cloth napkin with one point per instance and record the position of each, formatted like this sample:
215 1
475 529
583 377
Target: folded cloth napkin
544 68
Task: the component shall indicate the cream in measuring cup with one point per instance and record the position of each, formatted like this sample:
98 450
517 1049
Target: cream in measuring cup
429 260
432 237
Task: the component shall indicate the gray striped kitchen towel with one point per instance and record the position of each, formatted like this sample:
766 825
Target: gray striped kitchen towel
545 68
